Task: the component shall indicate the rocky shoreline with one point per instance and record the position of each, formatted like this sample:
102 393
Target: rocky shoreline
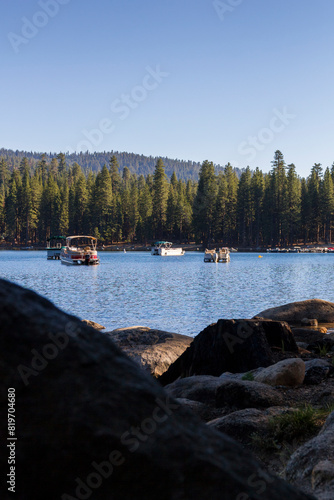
244 411
267 382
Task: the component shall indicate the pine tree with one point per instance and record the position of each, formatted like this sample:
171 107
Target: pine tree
160 194
278 190
2 214
126 178
62 167
245 209
54 167
230 221
64 214
183 212
50 209
304 211
4 175
12 207
125 210
114 173
257 188
26 201
145 208
80 204
314 217
36 193
220 209
42 168
327 196
133 211
191 190
171 214
204 207
102 201
293 204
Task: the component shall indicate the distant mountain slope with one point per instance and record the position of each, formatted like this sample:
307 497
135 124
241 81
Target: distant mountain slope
138 164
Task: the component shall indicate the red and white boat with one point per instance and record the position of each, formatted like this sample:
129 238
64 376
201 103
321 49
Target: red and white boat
80 250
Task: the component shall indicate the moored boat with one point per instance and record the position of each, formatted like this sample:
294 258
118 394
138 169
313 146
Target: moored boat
80 250
295 250
164 248
217 255
53 247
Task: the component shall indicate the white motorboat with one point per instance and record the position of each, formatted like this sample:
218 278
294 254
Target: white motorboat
217 255
164 248
80 250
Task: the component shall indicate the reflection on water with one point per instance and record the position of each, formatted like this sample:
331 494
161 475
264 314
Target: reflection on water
177 294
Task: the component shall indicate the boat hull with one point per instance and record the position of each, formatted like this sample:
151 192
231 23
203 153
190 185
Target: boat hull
53 253
79 259
165 252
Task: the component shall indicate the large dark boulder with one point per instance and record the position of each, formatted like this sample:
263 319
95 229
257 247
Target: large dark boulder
326 343
235 345
279 334
197 388
242 425
295 312
153 350
90 424
308 335
244 394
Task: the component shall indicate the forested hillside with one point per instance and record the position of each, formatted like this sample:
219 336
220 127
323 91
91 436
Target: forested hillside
47 197
137 164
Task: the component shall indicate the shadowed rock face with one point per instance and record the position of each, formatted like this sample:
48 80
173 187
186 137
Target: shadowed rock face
91 424
242 424
153 350
295 312
244 394
307 467
236 346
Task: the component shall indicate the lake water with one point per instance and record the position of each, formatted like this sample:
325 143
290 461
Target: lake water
176 294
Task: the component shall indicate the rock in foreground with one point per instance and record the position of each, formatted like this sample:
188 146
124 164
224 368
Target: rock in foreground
296 312
288 372
153 350
231 345
311 466
245 394
91 424
93 324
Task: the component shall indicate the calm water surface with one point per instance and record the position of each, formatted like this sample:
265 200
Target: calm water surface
177 294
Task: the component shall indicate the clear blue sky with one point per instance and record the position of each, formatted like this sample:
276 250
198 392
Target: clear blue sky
228 80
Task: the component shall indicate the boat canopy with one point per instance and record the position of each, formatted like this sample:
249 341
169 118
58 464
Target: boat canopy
162 243
81 240
81 236
56 238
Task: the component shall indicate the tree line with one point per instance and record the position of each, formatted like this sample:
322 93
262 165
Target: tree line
137 164
251 210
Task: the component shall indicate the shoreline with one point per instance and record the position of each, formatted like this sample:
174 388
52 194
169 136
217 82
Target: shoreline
188 247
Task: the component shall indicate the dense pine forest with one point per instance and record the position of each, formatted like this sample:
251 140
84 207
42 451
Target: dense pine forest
137 164
52 196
